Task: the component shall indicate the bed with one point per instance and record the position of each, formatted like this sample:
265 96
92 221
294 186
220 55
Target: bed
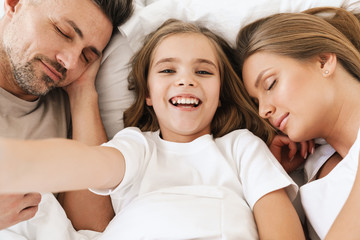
225 17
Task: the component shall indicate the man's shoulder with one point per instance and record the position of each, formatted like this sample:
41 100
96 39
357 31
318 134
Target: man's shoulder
57 99
55 94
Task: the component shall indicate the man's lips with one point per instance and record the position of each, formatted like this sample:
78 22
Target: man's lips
52 72
280 122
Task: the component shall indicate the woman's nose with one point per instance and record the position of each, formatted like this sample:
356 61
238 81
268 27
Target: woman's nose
265 110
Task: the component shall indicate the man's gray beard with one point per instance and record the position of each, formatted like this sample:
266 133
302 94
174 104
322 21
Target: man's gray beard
27 80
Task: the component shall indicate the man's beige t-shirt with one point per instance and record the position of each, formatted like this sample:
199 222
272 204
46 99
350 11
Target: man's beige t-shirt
47 117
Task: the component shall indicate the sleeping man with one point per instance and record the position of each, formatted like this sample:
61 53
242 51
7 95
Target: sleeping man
48 47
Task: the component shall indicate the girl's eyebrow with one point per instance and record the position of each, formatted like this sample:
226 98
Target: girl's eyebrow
164 60
202 60
198 60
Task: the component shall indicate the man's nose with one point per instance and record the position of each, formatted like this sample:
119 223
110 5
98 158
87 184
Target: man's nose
69 58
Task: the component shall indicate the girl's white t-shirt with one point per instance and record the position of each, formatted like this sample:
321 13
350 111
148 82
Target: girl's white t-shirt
202 189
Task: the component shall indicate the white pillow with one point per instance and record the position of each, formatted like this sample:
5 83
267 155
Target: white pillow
225 17
111 84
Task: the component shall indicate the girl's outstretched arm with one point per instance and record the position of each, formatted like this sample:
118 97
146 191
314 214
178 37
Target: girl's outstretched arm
347 224
54 165
276 217
86 210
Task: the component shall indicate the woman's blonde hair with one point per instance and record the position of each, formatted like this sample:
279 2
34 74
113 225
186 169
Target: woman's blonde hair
236 110
304 35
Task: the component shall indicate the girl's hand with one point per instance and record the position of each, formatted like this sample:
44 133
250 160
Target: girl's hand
291 154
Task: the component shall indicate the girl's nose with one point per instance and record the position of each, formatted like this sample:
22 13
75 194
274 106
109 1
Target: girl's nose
186 80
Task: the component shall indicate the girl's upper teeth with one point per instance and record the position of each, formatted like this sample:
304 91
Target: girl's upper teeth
184 100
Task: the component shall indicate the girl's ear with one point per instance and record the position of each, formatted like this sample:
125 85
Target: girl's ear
328 62
148 101
11 6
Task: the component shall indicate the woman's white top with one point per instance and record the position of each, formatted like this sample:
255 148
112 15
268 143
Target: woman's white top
204 189
323 199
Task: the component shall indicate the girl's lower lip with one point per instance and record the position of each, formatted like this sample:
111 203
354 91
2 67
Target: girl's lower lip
184 108
283 123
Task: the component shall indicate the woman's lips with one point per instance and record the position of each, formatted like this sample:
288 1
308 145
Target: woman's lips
280 123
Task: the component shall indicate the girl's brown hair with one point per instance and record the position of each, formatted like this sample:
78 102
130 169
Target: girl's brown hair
236 110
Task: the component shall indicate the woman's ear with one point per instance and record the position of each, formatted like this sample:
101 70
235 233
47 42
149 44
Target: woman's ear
328 62
11 6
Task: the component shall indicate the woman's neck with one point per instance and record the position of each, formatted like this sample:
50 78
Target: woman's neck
345 125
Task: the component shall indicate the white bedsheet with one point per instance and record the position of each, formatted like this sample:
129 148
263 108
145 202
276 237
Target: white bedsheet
49 223
135 223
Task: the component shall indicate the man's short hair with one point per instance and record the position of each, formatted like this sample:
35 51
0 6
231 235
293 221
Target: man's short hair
118 11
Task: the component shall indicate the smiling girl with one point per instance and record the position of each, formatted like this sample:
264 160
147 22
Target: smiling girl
183 168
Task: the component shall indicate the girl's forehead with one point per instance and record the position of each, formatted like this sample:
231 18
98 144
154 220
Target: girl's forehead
188 44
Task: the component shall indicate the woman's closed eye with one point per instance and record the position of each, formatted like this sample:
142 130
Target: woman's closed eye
270 83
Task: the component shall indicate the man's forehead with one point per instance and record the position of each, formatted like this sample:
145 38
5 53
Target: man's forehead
84 16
